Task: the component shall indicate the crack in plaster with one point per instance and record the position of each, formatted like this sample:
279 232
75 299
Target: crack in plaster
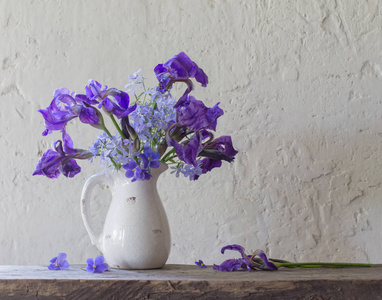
12 90
11 22
371 69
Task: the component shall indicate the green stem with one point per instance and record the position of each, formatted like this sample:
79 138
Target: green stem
165 157
320 264
171 158
117 126
115 164
107 131
138 97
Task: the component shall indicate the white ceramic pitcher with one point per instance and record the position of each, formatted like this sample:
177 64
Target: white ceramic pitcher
136 234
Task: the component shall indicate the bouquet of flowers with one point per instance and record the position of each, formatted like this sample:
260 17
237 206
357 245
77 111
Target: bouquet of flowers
155 129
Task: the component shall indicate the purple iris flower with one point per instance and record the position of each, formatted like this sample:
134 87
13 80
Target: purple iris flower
59 262
97 265
49 164
195 115
62 159
207 164
230 265
112 100
65 107
213 151
190 150
220 148
179 68
267 264
244 262
134 172
149 158
201 264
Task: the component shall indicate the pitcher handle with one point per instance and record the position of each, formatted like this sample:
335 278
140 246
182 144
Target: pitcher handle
85 206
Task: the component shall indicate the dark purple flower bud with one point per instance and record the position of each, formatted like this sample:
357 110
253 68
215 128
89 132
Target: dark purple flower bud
177 133
85 118
88 115
220 148
195 115
200 264
162 147
127 130
124 126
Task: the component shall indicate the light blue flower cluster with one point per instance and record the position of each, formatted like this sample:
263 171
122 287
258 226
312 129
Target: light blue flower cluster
111 150
152 117
188 170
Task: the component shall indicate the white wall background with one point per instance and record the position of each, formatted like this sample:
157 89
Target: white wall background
300 84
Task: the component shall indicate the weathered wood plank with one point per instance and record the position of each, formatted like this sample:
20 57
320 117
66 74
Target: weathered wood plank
190 282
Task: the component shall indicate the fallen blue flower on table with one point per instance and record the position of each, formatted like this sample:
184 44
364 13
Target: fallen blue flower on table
97 265
201 264
59 262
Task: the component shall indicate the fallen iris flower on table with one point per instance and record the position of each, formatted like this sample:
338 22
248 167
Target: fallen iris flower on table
59 262
248 262
258 260
97 265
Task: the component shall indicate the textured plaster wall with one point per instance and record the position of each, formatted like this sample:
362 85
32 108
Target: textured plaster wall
300 84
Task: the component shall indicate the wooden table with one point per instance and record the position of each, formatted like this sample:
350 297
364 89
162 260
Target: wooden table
190 282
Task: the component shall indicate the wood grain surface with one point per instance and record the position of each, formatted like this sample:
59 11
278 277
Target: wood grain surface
190 282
